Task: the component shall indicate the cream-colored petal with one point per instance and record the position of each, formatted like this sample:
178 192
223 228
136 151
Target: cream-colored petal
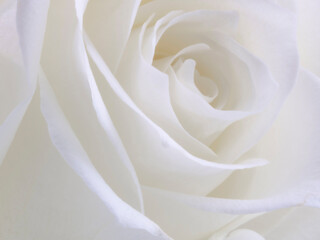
69 147
192 217
43 198
247 234
30 21
309 34
81 102
272 39
294 223
115 17
159 160
245 85
291 146
149 89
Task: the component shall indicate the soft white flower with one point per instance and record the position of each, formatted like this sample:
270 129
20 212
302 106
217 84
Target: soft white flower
161 119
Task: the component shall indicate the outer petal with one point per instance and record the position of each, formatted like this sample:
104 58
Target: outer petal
71 150
67 68
244 234
293 223
291 179
291 146
202 216
42 198
109 24
83 133
19 80
24 190
309 34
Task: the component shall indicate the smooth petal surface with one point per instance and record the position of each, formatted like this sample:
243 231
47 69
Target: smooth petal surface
309 34
66 51
43 198
244 234
71 150
16 69
149 89
293 223
158 159
108 23
172 165
291 144
159 119
84 134
288 146
277 50
203 216
232 68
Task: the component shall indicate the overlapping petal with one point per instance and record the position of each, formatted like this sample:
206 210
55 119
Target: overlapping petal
290 146
109 23
19 70
42 197
280 224
159 160
277 50
177 98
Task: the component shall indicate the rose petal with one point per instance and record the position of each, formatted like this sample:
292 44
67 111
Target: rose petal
43 198
9 47
112 16
291 146
149 89
30 34
165 163
231 75
271 39
280 59
244 234
202 86
293 223
11 91
201 216
82 106
309 34
71 150
301 180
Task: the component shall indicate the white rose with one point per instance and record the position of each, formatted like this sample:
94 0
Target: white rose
164 119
